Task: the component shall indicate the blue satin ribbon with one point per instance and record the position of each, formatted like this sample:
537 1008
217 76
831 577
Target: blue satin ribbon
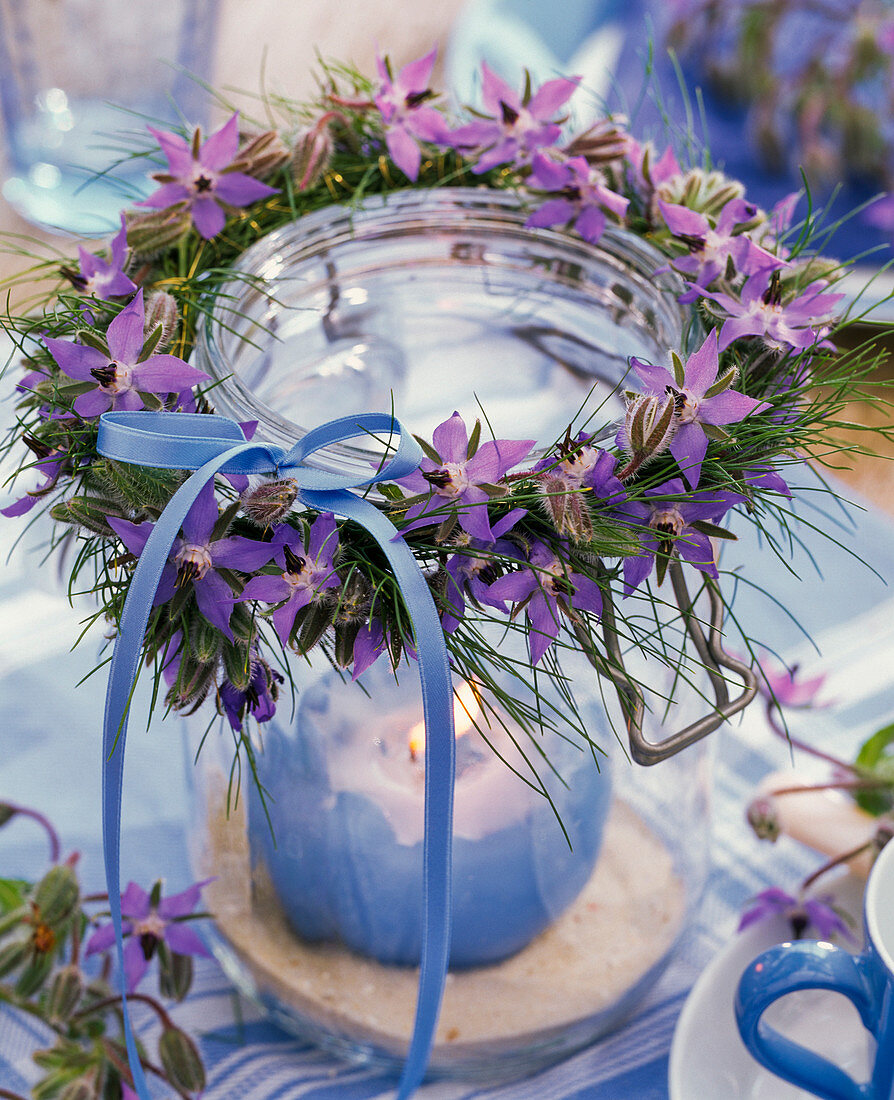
210 445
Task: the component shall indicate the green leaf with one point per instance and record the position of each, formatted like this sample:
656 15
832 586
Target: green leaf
876 761
713 530
679 370
474 439
428 450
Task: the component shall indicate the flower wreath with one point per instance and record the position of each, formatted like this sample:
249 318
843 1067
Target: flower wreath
539 548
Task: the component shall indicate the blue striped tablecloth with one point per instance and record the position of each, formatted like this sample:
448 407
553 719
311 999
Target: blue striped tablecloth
49 758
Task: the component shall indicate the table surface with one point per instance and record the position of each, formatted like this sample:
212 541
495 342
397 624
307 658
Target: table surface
49 726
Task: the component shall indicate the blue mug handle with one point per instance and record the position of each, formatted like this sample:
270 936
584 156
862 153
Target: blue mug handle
805 964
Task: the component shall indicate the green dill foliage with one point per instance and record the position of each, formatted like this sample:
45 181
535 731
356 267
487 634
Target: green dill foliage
584 540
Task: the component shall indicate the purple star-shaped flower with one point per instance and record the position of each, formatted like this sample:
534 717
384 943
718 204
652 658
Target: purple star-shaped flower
759 310
711 246
459 479
196 556
200 175
785 687
516 128
49 464
147 924
819 913
570 479
258 699
546 589
307 572
666 526
105 278
470 571
120 377
402 103
585 196
701 399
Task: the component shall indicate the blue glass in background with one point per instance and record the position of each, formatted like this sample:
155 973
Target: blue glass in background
80 78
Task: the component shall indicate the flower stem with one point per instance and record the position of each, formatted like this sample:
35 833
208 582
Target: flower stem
35 815
836 861
110 1002
802 745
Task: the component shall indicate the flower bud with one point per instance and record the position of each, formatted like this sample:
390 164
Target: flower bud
649 424
763 818
311 157
161 309
237 666
204 639
82 1089
268 504
152 233
12 955
174 974
57 895
181 1060
262 154
65 992
566 507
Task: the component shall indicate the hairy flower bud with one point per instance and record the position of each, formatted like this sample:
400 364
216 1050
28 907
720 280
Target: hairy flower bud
181 1060
262 154
151 233
312 156
649 424
705 192
82 1089
65 992
12 955
268 504
174 974
763 818
566 507
57 895
161 309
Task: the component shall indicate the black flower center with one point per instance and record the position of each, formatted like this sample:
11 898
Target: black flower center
105 376
203 184
294 564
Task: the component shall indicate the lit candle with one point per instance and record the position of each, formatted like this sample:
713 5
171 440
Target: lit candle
345 798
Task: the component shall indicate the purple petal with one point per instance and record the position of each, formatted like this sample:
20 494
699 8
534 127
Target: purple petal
508 521
184 903
495 90
591 224
587 594
103 938
368 646
403 151
472 514
184 940
543 617
547 174
133 535
551 96
636 569
514 586
696 548
702 365
238 189
688 447
729 407
169 194
219 149
269 588
656 379
165 374
509 452
415 75
176 149
125 333
451 440
552 212
215 599
682 221
208 218
75 360
94 403
284 617
135 902
135 964
734 328
237 552
19 507
202 516
323 537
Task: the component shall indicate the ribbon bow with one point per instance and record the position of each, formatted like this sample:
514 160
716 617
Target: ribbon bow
210 444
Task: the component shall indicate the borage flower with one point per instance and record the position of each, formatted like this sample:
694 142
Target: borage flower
50 463
546 590
103 278
759 310
121 375
785 687
258 699
307 573
713 243
514 127
818 913
402 100
460 481
200 176
665 527
471 571
570 479
197 555
704 402
150 920
583 200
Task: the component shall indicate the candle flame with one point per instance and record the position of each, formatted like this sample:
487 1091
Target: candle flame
466 711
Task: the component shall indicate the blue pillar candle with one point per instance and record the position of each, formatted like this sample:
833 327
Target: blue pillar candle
340 837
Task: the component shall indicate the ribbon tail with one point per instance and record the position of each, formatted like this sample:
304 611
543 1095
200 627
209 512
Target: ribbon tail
440 752
122 678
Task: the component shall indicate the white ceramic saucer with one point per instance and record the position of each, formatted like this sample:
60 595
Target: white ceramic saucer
708 1060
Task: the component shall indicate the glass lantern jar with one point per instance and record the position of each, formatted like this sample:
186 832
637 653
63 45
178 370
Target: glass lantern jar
576 872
